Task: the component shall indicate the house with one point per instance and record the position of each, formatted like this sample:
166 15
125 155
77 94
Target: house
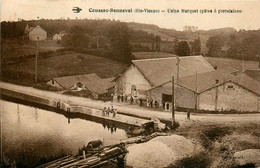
90 82
56 37
37 33
144 74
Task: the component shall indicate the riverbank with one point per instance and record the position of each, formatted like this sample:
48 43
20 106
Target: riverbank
70 108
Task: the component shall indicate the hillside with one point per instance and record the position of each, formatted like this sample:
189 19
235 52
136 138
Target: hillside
70 63
144 37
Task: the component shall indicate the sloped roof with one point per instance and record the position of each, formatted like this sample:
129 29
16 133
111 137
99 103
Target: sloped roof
253 73
69 81
228 70
100 86
204 80
149 55
247 82
207 81
161 70
91 81
36 29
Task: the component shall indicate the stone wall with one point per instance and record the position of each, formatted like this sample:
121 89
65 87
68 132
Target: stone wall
230 96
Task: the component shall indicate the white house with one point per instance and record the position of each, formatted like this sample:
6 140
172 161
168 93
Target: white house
37 33
144 74
56 37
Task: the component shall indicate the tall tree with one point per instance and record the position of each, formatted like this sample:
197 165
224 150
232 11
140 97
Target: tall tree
214 45
120 42
77 37
183 48
158 43
196 46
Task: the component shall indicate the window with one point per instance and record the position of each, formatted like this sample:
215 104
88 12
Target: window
52 82
230 87
79 85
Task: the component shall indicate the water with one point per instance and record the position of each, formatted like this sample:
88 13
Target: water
30 135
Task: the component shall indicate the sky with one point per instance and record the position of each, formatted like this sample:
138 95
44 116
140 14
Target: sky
11 10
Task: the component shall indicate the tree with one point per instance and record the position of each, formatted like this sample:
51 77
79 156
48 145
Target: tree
176 46
120 42
158 43
182 49
214 45
76 38
196 46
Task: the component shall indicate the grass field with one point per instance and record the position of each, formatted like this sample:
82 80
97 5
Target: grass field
64 65
16 48
234 63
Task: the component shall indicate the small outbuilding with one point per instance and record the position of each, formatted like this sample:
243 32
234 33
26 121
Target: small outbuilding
87 82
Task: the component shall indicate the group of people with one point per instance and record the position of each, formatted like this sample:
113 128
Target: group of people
122 98
107 111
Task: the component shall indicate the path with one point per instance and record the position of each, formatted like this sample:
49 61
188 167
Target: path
132 110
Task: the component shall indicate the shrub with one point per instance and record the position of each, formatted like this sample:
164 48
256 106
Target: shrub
200 160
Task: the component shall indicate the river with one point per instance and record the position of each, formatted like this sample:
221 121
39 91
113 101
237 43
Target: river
31 135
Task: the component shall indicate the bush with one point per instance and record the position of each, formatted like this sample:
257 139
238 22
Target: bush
200 160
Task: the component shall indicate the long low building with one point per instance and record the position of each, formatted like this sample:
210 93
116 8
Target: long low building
87 82
213 91
144 74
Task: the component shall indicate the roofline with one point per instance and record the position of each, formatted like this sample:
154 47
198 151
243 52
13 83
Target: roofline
143 75
245 88
159 85
74 75
151 59
132 64
59 83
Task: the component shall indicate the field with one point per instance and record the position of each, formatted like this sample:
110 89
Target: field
15 48
234 63
69 63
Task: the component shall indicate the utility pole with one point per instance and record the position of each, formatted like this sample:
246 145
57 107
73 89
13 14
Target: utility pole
36 60
173 113
178 68
196 90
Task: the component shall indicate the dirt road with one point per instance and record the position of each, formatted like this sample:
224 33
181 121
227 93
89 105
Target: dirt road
133 110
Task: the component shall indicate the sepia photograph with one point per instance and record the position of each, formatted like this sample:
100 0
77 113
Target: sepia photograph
130 84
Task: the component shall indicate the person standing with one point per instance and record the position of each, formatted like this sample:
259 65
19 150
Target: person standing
122 98
112 110
141 101
131 100
125 98
188 114
167 106
108 111
104 111
112 97
148 102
